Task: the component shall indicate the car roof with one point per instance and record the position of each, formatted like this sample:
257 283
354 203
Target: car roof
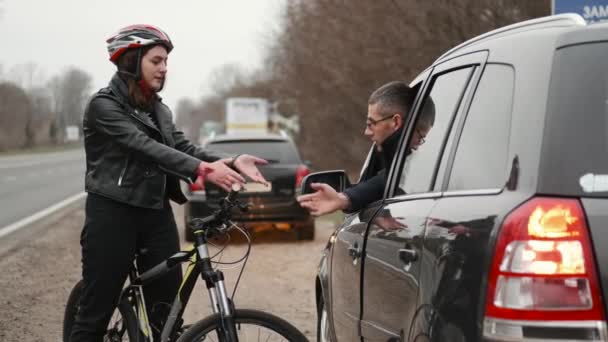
555 22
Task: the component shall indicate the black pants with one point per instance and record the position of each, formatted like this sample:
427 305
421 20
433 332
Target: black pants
111 235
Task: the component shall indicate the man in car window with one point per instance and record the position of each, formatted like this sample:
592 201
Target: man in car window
388 108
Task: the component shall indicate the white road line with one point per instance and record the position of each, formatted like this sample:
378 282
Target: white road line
45 212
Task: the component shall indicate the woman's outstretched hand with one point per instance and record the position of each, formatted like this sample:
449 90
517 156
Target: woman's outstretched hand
219 174
248 165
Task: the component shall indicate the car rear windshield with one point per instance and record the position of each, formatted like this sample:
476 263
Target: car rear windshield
574 157
272 150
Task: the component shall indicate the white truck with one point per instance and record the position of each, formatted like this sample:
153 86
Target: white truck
246 115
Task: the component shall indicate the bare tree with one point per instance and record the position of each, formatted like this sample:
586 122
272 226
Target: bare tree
69 93
332 54
184 112
27 75
76 87
39 125
15 111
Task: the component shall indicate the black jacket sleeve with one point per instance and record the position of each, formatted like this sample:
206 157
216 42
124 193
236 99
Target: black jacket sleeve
366 192
110 119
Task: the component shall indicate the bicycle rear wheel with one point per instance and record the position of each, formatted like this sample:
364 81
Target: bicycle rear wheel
123 324
251 325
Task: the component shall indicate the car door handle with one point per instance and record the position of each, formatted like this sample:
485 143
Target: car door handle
354 251
408 255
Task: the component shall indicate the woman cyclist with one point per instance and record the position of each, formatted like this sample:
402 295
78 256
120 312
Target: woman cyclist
135 157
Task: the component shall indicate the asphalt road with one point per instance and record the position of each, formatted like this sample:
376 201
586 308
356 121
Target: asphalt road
30 183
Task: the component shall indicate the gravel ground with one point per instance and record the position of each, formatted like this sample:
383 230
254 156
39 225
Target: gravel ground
36 276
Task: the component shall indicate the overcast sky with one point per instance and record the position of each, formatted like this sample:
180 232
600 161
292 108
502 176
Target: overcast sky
206 34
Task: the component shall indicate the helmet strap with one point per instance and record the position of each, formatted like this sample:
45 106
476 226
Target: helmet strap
138 67
137 75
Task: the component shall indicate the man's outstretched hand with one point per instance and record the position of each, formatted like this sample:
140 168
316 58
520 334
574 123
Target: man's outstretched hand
323 201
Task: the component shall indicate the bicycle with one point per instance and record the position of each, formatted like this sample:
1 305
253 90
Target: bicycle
226 323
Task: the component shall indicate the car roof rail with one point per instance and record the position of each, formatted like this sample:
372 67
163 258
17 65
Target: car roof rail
566 19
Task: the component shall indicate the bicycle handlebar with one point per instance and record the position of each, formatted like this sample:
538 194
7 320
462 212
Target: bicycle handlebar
221 216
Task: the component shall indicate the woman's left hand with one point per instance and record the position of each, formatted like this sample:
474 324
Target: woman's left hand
248 165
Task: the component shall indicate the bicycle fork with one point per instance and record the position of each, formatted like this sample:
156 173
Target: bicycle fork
221 303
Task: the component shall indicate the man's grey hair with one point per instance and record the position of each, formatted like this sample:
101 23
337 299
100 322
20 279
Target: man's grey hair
393 97
427 116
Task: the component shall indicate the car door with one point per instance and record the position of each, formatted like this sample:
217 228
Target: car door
394 253
477 168
345 256
345 275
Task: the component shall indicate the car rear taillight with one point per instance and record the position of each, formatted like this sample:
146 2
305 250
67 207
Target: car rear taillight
543 281
301 172
198 185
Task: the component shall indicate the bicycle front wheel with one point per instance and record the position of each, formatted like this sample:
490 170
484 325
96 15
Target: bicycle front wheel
251 325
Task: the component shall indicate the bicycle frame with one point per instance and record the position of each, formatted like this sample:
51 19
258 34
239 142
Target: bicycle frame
200 264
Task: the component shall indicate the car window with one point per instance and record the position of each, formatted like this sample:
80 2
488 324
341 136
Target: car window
432 122
575 140
274 151
481 155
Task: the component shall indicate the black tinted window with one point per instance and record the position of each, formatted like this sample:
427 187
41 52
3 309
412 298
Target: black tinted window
273 151
481 154
419 168
575 145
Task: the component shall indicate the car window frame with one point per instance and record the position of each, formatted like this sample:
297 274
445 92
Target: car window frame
477 61
458 133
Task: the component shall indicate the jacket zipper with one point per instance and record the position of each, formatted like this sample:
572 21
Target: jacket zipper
122 173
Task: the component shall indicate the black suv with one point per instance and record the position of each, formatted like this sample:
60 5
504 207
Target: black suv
273 207
502 233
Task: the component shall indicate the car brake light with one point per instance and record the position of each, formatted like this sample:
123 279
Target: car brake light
198 185
301 172
543 270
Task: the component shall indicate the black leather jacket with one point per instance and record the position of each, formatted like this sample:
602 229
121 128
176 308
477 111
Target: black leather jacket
128 158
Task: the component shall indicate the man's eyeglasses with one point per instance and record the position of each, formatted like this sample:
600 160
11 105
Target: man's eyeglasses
421 138
370 123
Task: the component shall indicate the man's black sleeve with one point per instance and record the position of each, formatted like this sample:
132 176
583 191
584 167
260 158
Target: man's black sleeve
366 192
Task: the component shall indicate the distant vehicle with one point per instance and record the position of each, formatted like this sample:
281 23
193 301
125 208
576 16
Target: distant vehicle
274 207
246 116
210 128
496 228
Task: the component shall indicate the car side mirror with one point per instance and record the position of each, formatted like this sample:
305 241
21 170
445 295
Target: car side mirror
337 179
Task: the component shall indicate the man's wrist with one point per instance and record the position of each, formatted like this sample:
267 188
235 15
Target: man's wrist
344 201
